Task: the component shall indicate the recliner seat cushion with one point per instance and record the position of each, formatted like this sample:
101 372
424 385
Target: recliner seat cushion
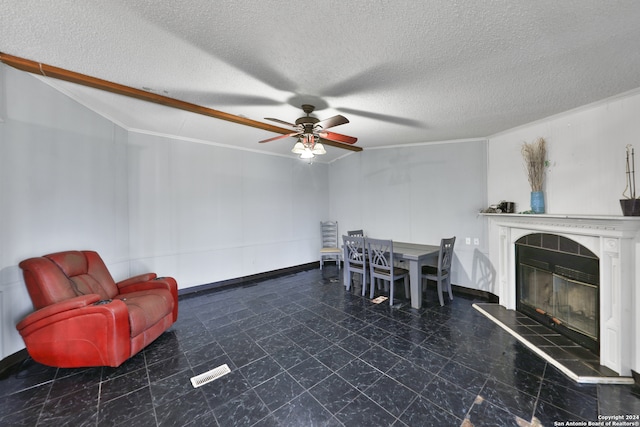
146 308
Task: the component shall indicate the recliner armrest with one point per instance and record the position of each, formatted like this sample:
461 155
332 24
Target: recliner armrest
79 334
136 279
70 304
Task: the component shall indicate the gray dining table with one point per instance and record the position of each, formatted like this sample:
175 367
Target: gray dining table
416 255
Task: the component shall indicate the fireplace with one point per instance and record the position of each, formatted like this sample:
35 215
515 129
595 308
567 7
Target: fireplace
610 294
557 284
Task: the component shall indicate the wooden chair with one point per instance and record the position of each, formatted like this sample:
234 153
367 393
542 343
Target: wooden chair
329 249
441 273
381 266
355 260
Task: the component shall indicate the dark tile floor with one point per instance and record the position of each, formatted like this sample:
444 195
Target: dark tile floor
305 352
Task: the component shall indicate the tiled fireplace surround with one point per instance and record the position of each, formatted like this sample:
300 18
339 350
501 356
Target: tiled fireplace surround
614 239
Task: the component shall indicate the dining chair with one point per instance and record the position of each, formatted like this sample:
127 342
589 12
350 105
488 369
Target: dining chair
381 266
355 233
440 273
329 249
355 260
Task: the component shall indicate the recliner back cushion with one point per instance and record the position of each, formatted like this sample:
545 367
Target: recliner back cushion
87 272
72 263
85 285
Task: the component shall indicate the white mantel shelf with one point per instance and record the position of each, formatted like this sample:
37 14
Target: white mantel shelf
615 239
564 216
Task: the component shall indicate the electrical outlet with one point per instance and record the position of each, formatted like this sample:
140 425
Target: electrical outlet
467 240
476 241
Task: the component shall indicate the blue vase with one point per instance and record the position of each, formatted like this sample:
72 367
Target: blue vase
537 202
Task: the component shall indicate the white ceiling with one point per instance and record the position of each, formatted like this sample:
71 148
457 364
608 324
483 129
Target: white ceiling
402 71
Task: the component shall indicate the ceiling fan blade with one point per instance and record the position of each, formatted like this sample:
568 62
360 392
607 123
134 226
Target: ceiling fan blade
336 137
205 97
340 145
280 121
332 121
403 121
280 137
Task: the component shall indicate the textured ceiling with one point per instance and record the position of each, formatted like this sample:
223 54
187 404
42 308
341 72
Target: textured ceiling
402 71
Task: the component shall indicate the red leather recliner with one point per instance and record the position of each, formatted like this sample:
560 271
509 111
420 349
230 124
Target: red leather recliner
84 318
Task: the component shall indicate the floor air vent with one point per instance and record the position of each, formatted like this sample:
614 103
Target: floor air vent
207 377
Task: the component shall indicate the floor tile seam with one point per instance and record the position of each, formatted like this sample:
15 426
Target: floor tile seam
533 414
574 390
374 402
537 402
121 394
154 406
413 400
380 371
563 409
270 352
421 396
284 404
504 384
42 406
397 418
268 379
333 414
308 391
29 388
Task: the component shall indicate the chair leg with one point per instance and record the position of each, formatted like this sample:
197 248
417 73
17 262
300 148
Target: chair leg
439 281
449 288
406 287
364 287
371 288
391 286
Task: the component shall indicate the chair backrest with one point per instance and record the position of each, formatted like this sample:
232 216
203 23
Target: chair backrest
380 255
329 230
355 251
446 254
355 233
63 275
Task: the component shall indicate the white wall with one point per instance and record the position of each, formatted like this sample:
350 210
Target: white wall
418 194
71 179
208 213
586 149
63 184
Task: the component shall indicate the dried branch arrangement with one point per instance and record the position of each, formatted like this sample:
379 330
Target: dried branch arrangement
630 190
534 154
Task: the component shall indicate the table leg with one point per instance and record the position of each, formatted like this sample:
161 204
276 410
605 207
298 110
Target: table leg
345 270
414 284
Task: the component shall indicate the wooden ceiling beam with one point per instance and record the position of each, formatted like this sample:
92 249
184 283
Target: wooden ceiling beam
85 80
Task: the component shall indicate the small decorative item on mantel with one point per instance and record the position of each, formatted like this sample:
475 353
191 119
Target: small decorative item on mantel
630 204
534 159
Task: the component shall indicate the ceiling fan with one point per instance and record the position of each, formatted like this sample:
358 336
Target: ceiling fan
312 132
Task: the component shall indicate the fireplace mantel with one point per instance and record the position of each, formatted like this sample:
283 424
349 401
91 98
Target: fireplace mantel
614 239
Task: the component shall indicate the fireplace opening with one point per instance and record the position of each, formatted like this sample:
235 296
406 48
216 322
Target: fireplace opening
557 284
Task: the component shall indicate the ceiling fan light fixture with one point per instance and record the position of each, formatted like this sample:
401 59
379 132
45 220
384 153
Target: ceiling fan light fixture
298 148
307 154
319 149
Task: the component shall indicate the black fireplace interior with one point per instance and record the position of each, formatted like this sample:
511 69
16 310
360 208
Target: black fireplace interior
558 285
